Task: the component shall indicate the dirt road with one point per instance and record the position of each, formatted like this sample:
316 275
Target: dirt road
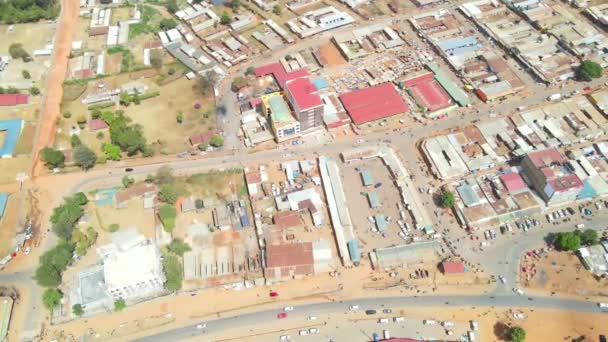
51 105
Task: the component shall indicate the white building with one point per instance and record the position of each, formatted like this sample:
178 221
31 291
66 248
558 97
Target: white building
131 266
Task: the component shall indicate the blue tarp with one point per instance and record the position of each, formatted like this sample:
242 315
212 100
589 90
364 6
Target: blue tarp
13 130
3 200
456 43
587 192
320 83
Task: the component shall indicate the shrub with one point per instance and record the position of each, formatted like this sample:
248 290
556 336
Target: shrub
26 74
167 215
67 114
119 304
34 91
51 298
114 227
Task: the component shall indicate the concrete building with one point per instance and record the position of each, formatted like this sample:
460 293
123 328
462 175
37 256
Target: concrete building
317 21
306 103
599 13
548 174
595 258
283 124
404 255
131 266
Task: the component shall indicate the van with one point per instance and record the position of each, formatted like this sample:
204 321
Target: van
398 319
429 322
386 334
549 218
370 312
471 336
474 325
580 226
303 332
383 320
447 324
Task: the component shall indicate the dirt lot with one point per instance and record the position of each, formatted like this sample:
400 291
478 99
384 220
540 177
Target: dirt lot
331 55
561 272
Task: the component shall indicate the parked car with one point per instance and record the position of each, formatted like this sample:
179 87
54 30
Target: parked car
518 315
273 294
518 291
387 311
288 308
281 315
502 279
370 312
377 185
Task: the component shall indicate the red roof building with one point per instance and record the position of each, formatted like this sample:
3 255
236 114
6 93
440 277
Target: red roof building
97 124
373 103
304 94
513 182
288 260
13 99
286 219
448 267
201 138
278 72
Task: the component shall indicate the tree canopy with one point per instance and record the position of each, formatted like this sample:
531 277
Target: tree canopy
65 216
167 215
447 199
52 158
517 334
167 24
173 273
179 247
119 304
124 135
568 241
84 157
589 70
77 310
53 263
216 141
24 11
51 298
589 237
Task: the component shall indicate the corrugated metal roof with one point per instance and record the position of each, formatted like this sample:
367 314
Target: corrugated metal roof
456 93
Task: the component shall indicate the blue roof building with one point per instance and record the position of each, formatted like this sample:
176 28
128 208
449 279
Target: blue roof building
13 130
374 202
366 177
381 222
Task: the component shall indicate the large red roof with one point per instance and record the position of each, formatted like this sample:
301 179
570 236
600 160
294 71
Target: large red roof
513 181
427 91
12 99
567 183
290 255
546 157
287 219
304 93
452 267
373 103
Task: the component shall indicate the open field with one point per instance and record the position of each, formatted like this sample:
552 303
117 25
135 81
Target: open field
32 36
561 272
331 55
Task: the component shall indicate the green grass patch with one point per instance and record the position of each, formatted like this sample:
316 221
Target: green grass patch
148 24
71 92
101 105
128 60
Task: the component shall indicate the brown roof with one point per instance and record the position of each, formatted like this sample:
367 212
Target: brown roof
307 204
201 138
290 255
98 31
286 219
253 177
136 190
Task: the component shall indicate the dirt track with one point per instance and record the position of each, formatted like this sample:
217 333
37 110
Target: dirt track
51 106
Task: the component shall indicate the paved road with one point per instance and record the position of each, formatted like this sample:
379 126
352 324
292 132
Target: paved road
301 312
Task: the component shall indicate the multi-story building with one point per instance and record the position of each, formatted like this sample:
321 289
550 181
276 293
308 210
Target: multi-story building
283 124
548 173
306 103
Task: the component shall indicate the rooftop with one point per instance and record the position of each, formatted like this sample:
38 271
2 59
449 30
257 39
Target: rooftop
304 93
289 255
373 103
13 99
513 181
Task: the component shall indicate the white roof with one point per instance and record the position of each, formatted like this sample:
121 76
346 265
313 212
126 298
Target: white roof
135 265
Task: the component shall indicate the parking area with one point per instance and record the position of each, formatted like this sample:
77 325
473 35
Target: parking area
375 204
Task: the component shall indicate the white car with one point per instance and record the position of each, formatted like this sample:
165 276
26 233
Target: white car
312 318
313 330
27 250
518 291
288 308
303 332
284 338
354 307
502 279
201 326
603 305
518 315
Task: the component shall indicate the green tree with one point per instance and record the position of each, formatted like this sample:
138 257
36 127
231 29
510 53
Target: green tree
52 158
164 175
179 117
588 237
84 157
173 273
17 51
250 71
167 24
207 82
119 304
235 4
125 99
225 18
179 247
216 141
589 70
111 151
83 241
67 114
172 6
277 10
52 264
114 227
34 91
77 310
167 215
75 141
26 74
65 216
127 181
169 193
517 334
203 147
568 241
447 199
80 198
51 298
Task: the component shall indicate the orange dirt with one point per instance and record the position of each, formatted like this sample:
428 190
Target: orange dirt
54 88
331 54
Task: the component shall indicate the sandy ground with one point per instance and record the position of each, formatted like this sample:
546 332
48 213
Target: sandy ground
331 54
52 102
561 272
540 325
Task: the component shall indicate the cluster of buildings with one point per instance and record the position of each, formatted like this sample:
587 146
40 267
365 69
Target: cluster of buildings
542 53
320 20
476 62
362 41
515 166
